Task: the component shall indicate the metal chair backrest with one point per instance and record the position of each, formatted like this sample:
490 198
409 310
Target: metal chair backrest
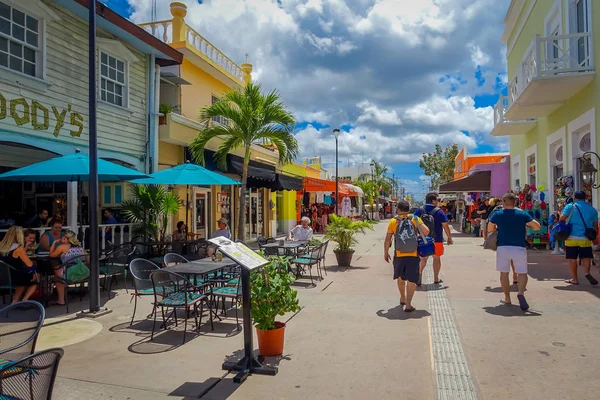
271 251
168 283
38 376
140 270
5 277
20 325
315 252
323 250
174 259
261 240
121 256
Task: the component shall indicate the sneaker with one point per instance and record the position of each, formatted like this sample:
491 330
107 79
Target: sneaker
556 252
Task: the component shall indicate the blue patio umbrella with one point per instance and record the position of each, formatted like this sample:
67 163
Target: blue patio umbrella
187 174
71 168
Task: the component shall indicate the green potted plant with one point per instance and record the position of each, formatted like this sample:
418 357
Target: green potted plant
271 294
343 230
164 109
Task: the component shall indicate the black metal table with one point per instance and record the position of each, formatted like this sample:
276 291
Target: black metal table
204 266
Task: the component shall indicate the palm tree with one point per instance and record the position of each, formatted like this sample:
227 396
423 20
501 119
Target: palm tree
252 117
379 176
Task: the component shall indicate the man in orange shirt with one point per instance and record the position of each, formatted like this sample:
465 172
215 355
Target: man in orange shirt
404 228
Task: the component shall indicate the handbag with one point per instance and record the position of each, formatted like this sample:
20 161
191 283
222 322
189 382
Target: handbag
590 233
491 241
562 229
78 272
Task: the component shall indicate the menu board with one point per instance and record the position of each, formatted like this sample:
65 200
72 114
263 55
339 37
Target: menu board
239 252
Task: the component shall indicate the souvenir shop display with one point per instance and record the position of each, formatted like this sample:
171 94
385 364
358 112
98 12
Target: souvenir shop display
532 200
563 189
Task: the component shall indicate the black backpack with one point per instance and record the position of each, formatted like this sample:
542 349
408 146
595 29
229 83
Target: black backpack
428 219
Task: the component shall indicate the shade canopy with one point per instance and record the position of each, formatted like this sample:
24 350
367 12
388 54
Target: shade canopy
71 168
187 174
318 185
476 182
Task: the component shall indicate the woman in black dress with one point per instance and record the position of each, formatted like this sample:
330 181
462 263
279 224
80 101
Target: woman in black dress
12 252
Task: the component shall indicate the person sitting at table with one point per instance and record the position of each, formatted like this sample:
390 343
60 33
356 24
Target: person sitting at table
65 249
302 231
29 235
181 232
222 231
23 274
51 236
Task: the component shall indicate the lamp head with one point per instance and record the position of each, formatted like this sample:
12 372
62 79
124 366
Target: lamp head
336 132
588 172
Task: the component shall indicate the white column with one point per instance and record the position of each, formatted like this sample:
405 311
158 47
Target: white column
72 205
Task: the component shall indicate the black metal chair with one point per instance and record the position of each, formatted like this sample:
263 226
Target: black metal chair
31 377
115 264
172 290
174 259
68 266
6 280
142 284
231 290
322 257
20 324
308 260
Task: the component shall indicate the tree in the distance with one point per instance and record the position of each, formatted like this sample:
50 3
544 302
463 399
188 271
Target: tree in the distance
251 117
439 164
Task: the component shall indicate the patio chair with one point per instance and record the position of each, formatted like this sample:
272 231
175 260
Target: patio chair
31 377
6 280
308 260
174 259
323 255
115 264
20 325
231 291
68 265
141 269
172 290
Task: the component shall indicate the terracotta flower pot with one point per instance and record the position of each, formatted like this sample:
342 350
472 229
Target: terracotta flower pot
162 120
344 258
270 342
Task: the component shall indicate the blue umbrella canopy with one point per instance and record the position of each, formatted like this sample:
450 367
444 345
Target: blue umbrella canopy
71 168
187 174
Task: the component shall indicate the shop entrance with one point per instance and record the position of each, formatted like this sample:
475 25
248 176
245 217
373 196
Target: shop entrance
202 224
254 214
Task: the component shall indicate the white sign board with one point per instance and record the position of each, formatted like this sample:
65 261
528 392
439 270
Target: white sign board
239 252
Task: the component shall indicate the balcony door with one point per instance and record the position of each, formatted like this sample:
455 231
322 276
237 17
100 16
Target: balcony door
582 26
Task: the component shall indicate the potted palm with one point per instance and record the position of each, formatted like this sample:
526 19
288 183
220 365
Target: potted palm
343 230
164 110
271 294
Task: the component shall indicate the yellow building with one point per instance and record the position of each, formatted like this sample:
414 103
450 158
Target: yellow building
200 80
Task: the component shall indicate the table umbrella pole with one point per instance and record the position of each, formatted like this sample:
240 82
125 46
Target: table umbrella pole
187 207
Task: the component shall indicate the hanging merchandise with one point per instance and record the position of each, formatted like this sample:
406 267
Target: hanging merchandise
327 200
346 206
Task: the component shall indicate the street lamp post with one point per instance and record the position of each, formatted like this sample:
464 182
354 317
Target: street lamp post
336 133
373 181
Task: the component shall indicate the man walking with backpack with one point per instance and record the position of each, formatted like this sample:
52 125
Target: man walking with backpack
583 219
404 229
437 222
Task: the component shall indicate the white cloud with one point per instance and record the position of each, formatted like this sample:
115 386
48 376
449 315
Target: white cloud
371 64
478 57
370 112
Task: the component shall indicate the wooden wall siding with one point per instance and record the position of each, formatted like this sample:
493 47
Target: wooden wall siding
119 129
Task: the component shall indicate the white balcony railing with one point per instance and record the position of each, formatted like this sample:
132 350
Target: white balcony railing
553 56
500 111
163 30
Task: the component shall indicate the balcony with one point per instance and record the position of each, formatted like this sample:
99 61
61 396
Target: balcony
195 47
553 70
504 127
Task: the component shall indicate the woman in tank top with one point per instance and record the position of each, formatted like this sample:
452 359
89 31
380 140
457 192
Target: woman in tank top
22 273
65 249
51 236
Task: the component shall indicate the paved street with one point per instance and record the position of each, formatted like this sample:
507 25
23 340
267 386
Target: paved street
351 340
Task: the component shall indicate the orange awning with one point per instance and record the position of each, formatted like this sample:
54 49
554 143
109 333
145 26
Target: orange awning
318 185
347 190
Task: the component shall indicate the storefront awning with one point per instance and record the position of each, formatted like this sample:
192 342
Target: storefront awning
286 182
476 182
256 170
313 185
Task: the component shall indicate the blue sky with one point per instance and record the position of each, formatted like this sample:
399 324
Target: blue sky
398 76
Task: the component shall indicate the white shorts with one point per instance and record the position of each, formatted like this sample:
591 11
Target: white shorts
516 254
484 224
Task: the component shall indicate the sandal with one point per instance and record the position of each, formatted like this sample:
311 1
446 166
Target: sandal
56 303
571 281
593 281
409 309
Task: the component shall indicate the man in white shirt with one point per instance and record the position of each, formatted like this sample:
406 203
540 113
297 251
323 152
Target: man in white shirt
302 231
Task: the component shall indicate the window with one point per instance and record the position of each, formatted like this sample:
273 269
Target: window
219 120
581 18
19 41
113 85
531 169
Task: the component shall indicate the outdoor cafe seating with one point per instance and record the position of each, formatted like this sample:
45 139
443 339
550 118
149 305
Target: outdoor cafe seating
25 373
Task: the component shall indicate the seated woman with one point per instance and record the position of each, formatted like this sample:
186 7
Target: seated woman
181 232
67 248
23 276
51 236
302 231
